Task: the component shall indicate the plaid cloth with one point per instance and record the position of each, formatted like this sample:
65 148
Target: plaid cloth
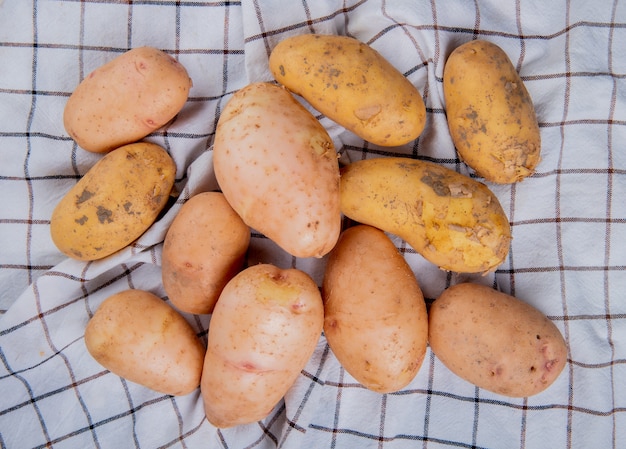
568 255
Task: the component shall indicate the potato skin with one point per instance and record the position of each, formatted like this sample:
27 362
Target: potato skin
264 329
495 341
452 220
203 249
139 337
114 202
490 113
126 99
352 84
278 168
375 318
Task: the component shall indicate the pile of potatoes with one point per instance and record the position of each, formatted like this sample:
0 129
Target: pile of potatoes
265 320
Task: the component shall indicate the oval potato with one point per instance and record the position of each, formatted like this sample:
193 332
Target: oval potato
375 318
114 202
352 84
453 221
490 113
137 336
495 341
126 99
264 328
203 249
278 168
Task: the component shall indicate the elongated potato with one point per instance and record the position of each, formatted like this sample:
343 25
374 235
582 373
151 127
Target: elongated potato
450 219
114 202
138 336
352 84
203 249
278 168
375 318
490 113
495 341
264 329
126 99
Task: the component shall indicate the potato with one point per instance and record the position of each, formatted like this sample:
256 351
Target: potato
278 168
139 337
114 203
495 341
375 318
203 249
126 99
450 219
352 84
264 328
490 113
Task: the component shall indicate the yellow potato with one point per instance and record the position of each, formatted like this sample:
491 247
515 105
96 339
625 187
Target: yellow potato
278 168
453 221
490 113
203 249
114 203
375 318
264 328
352 84
139 337
495 341
126 99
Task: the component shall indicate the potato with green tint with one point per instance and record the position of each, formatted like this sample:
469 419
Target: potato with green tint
203 249
126 99
264 328
490 113
375 318
496 341
352 84
452 220
138 336
114 203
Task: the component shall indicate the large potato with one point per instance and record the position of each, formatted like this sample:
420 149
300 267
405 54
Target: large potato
203 249
126 99
114 202
490 114
375 318
352 84
278 168
450 219
495 341
264 329
139 337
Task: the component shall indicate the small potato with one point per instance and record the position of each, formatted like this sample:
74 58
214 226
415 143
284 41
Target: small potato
139 337
203 249
278 168
126 99
453 221
490 114
114 203
495 341
375 315
352 84
264 329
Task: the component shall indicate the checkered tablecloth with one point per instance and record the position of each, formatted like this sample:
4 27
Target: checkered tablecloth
567 258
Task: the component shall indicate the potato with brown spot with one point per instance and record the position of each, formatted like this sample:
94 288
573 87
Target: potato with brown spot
264 328
491 116
114 203
352 84
139 337
126 99
452 220
375 318
203 249
495 341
